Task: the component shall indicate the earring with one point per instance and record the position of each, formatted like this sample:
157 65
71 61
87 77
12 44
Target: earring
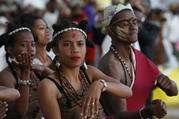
57 63
85 65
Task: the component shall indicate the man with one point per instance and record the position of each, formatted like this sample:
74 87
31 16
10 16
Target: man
139 17
132 68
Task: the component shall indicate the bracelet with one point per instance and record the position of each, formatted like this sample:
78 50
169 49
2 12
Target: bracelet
24 82
140 114
104 84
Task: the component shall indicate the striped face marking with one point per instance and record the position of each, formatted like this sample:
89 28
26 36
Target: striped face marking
73 35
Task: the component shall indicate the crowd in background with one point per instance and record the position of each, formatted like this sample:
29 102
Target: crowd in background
158 37
161 25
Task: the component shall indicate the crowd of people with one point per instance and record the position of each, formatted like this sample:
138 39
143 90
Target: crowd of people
56 67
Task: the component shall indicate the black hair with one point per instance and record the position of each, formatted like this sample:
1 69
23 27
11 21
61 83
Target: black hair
9 40
67 24
29 19
136 8
154 12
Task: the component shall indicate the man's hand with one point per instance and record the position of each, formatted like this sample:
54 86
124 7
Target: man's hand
167 85
157 108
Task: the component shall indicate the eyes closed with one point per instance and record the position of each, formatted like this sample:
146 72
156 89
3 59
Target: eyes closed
129 22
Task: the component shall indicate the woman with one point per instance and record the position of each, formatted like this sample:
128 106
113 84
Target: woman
20 51
73 91
41 34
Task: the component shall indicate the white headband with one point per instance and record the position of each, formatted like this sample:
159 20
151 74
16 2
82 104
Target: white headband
111 11
19 29
68 29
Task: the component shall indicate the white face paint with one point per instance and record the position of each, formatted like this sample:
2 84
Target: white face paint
121 33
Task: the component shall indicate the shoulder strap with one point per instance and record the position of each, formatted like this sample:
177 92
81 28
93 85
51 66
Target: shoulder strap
57 85
39 76
61 90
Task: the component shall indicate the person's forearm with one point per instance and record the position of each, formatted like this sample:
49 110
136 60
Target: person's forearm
128 115
8 94
118 89
172 91
23 101
47 71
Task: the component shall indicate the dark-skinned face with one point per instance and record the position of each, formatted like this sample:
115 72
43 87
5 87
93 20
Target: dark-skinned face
71 48
24 43
124 27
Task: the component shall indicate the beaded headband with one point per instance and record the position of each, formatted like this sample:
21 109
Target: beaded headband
68 29
19 29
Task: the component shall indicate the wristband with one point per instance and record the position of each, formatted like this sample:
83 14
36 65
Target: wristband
104 84
24 82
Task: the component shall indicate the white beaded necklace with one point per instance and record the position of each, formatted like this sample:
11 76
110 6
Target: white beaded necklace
121 60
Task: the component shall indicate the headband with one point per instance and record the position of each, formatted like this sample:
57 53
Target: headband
19 29
111 11
68 29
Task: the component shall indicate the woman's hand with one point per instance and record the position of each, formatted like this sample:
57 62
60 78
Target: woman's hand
3 109
90 100
23 60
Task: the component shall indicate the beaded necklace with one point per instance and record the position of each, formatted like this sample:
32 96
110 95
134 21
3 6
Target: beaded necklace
70 91
124 64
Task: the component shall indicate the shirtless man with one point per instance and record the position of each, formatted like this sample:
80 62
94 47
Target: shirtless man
124 62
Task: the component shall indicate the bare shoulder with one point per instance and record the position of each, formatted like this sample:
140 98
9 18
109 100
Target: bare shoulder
107 61
7 78
48 86
48 83
109 65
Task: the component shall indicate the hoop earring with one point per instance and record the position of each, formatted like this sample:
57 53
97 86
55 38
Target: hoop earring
86 67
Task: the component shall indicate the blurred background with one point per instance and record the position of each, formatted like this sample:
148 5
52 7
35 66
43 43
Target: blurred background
158 38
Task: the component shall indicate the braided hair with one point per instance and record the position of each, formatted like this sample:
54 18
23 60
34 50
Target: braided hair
82 25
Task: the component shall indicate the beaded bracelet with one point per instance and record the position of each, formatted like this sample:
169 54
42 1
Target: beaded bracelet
140 114
24 82
104 84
